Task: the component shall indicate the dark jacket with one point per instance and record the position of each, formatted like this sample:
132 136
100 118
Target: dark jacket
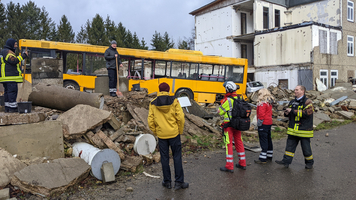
110 58
300 118
10 65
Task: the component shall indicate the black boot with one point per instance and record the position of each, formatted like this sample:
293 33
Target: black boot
281 162
167 184
241 167
113 94
178 185
226 170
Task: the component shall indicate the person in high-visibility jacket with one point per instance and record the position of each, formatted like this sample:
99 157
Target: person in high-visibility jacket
10 73
300 113
229 133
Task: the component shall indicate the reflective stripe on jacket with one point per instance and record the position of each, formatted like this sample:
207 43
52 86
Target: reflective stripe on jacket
10 67
165 117
226 108
301 118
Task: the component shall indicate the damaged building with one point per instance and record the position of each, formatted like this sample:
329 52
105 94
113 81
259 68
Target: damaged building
287 42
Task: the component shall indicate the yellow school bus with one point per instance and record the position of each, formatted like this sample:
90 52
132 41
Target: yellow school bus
188 73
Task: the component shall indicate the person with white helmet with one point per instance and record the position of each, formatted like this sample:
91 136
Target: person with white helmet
230 133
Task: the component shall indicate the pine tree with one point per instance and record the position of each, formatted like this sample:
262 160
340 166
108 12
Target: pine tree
168 42
110 29
46 25
82 36
65 31
121 35
96 33
32 20
53 36
14 21
143 44
182 44
157 42
135 42
3 28
128 40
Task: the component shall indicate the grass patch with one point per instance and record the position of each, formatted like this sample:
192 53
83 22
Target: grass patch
332 124
199 143
278 133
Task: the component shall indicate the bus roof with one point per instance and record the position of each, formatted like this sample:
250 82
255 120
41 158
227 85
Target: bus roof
169 55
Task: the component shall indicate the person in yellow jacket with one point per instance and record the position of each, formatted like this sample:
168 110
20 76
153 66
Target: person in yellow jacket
10 73
166 121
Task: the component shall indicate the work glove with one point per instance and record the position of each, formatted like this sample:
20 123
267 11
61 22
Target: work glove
259 122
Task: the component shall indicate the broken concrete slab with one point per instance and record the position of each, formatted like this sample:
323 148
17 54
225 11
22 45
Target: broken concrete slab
83 118
16 118
352 105
114 123
48 178
5 194
201 123
148 159
346 114
96 140
140 115
8 166
199 111
321 116
131 163
28 141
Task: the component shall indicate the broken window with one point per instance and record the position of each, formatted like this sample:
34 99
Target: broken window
324 77
350 45
243 24
350 11
161 69
243 51
277 18
333 43
333 77
235 73
265 18
323 41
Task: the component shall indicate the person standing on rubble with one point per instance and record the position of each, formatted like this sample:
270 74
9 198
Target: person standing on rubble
300 128
112 56
10 73
264 124
230 133
166 121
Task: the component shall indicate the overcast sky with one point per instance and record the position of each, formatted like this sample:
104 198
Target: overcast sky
141 16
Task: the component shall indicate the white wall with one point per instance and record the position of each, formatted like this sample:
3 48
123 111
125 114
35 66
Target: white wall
271 77
258 14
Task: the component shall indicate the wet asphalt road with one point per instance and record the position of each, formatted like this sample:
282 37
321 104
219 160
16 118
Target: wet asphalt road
333 176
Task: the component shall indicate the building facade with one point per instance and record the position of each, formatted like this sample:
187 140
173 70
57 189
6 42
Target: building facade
287 42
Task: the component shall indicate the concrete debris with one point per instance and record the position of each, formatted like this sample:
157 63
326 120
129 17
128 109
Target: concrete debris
157 157
5 194
30 141
8 165
16 118
346 114
48 178
131 163
320 85
147 159
82 118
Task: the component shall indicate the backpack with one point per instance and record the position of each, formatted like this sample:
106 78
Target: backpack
241 111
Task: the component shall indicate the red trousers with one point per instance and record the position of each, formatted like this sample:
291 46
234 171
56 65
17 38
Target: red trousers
229 135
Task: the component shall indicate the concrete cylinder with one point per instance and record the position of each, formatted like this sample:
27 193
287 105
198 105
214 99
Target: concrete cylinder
96 157
145 144
63 99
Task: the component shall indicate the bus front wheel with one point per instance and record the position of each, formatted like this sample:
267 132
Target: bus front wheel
71 85
184 93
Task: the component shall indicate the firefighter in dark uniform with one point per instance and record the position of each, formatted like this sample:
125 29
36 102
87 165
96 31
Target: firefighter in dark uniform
10 73
300 113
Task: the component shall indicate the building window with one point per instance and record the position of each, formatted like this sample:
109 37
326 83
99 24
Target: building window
333 77
333 43
277 18
350 45
265 18
324 77
323 46
243 51
243 23
350 11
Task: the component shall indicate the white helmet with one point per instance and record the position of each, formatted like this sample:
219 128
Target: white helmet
230 86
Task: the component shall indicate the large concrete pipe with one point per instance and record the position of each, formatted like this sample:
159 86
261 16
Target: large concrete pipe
60 98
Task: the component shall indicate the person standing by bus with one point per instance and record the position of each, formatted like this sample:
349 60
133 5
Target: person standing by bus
230 133
166 121
264 124
112 56
10 73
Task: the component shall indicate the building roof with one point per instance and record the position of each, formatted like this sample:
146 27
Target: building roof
204 7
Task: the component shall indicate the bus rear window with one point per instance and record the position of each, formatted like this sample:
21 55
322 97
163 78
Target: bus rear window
235 73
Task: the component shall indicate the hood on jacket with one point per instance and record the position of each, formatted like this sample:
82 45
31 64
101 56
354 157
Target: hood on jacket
10 44
163 102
